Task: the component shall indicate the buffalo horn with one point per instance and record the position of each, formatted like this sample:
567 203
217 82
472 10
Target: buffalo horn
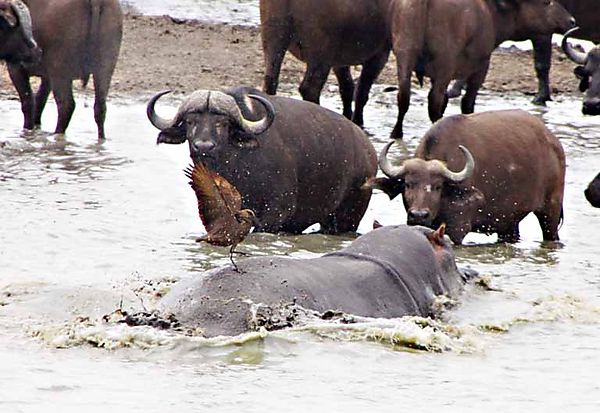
22 12
575 55
385 165
224 104
467 170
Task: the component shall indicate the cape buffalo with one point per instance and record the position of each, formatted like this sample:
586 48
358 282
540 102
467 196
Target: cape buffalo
78 39
511 165
326 34
587 17
447 40
16 36
592 192
588 72
389 272
294 163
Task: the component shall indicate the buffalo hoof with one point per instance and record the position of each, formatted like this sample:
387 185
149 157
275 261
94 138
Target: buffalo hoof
541 100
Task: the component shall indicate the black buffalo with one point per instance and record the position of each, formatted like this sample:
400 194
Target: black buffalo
17 44
389 272
294 163
592 192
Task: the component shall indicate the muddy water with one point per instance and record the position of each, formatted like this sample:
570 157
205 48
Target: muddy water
85 228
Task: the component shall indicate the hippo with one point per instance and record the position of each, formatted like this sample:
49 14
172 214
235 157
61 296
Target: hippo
592 192
392 271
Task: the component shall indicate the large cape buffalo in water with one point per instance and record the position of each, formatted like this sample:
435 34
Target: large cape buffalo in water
389 272
294 163
326 34
592 192
16 36
509 164
78 39
588 72
447 40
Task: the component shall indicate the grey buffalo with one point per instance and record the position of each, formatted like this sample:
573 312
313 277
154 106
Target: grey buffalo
294 163
389 272
446 40
78 39
326 34
481 172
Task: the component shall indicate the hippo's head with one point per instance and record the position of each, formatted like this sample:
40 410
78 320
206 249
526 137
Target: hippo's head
17 44
432 193
535 17
213 121
588 73
592 192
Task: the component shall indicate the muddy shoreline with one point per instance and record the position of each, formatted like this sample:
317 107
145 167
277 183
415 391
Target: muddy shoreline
160 52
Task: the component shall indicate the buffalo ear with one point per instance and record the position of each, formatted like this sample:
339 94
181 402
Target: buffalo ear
584 78
9 17
391 187
463 198
174 135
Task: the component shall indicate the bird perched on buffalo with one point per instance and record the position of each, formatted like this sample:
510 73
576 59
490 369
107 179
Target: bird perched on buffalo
219 206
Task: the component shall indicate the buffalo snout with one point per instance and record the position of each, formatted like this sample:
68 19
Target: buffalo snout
591 107
201 147
419 217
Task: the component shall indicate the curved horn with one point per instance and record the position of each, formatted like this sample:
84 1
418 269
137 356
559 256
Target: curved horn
385 165
22 12
575 55
225 104
467 170
155 120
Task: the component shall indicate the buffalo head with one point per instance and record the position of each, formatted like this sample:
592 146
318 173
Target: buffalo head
432 193
537 16
211 121
17 44
592 192
588 73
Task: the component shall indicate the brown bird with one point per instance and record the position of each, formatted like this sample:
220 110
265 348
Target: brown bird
219 206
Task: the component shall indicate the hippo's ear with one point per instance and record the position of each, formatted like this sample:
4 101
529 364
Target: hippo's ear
505 4
584 78
392 187
437 236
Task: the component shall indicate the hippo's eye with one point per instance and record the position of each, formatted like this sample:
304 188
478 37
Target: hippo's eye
408 185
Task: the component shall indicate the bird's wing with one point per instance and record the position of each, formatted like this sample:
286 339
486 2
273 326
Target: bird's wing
212 207
229 193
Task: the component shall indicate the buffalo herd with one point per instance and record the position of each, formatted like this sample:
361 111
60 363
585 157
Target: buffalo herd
296 164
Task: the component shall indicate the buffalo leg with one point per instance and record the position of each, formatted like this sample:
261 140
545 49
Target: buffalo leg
510 235
275 42
63 94
437 99
348 215
370 70
21 81
549 220
101 86
474 82
542 54
405 65
456 89
313 82
346 84
41 97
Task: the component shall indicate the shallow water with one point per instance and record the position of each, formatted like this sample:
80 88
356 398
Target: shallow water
242 12
85 227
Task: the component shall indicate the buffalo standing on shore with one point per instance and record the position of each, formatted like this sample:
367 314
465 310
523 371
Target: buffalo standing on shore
326 34
511 165
294 163
78 39
446 40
